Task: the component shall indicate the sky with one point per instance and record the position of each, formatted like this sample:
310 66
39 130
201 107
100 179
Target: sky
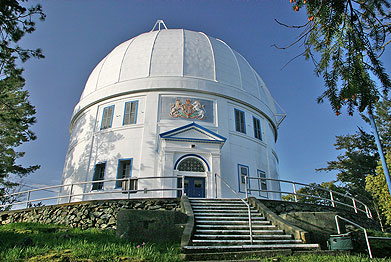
78 34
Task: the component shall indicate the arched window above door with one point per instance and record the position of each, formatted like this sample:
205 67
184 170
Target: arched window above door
191 164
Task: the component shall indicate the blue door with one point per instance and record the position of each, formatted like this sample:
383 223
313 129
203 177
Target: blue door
194 186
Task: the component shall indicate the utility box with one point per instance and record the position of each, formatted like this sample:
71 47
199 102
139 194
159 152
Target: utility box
340 242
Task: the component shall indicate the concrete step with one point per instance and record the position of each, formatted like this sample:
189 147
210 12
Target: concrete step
235 256
241 207
249 247
220 213
232 222
194 199
218 204
237 226
233 231
245 241
230 218
265 236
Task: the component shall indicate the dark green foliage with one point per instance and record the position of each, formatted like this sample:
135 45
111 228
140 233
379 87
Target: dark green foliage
16 112
359 159
345 39
317 190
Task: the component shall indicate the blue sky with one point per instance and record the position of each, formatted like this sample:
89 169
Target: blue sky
78 34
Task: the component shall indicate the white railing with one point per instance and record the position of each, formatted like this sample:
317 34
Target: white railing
357 225
334 197
66 191
243 200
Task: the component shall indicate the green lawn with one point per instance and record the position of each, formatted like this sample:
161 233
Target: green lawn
38 242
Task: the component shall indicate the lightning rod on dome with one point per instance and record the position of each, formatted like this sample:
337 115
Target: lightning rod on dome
158 24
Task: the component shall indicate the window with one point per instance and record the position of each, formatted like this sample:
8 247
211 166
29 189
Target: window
240 123
262 184
257 128
107 117
124 171
130 114
99 174
243 173
191 164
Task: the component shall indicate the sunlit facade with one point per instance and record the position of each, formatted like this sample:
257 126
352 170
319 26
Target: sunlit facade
172 103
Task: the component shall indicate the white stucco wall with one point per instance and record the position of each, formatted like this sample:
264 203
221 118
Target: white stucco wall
182 65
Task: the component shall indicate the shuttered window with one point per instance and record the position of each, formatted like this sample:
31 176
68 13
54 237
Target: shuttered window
240 123
257 128
262 184
99 174
107 117
124 170
130 115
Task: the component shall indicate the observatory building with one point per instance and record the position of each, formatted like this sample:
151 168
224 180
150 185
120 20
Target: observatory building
172 104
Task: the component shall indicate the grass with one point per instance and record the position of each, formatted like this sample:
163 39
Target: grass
38 242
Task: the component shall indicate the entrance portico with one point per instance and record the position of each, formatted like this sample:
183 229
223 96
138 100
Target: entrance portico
191 152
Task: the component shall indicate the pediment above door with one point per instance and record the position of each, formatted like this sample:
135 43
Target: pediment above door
193 133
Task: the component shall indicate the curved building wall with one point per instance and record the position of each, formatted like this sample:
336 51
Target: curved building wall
186 92
90 145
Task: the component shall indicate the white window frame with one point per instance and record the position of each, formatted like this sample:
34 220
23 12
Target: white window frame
120 171
241 179
262 183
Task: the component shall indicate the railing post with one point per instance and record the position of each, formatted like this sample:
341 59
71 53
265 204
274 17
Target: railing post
215 185
245 184
366 211
294 191
369 246
28 199
337 224
332 199
183 185
250 223
128 187
70 194
370 213
354 205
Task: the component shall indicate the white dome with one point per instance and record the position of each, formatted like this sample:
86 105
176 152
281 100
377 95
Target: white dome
173 54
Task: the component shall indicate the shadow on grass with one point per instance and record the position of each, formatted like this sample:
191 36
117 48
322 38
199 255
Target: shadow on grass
56 242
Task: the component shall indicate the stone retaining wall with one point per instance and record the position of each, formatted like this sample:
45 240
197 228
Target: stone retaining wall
88 214
284 207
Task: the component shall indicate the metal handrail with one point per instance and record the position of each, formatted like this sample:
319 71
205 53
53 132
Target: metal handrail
367 211
357 225
248 206
28 201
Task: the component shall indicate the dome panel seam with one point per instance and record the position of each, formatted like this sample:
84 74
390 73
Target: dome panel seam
123 58
100 70
183 53
213 56
237 63
150 56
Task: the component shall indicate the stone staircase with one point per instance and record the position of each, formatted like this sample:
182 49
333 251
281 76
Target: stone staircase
222 232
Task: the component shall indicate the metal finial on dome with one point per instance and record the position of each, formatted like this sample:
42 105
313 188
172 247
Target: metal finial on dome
157 24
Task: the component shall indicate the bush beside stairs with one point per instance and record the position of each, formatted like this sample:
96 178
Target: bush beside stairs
221 231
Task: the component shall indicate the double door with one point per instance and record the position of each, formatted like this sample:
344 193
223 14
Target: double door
194 186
